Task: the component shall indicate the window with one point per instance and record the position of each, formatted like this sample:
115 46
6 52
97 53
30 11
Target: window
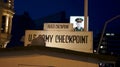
3 24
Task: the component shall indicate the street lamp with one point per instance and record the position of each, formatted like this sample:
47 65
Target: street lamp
103 31
85 14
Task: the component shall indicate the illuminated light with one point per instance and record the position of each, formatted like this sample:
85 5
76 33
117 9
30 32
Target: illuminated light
107 34
5 44
9 4
101 46
112 34
7 21
95 51
6 25
9 1
100 64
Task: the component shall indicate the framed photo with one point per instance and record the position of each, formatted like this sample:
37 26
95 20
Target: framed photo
78 22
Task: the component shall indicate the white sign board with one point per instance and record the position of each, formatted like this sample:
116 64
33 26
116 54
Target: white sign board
77 41
73 20
58 26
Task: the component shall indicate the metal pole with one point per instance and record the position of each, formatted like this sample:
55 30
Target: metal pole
85 14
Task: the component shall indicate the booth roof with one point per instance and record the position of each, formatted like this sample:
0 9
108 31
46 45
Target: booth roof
59 50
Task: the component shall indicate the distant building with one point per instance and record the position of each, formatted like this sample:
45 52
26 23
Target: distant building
6 15
111 43
111 40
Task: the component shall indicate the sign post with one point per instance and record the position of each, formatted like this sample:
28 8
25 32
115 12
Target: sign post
85 14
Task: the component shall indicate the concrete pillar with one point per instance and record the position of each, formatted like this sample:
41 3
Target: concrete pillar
10 25
6 24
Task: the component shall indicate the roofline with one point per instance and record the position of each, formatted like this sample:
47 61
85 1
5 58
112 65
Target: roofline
59 50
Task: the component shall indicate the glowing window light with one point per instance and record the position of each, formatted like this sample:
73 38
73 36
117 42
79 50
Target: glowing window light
9 1
101 46
95 51
6 25
107 34
112 34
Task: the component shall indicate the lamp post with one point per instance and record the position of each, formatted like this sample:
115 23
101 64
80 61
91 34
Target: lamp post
103 31
85 14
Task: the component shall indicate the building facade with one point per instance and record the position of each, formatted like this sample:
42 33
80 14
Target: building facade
110 43
6 15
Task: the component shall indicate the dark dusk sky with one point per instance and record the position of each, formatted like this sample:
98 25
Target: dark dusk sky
41 8
99 10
